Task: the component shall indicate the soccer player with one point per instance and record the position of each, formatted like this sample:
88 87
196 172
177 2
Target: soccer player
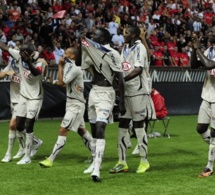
72 76
137 99
31 92
206 114
12 70
104 64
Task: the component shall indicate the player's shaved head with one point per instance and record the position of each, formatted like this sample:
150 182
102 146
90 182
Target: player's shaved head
73 51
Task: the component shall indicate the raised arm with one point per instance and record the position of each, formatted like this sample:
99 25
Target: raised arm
3 46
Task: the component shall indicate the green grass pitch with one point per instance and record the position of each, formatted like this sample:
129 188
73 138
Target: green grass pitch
175 163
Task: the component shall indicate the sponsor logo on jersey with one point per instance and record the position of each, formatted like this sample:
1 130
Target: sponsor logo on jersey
27 74
85 43
212 72
126 66
16 79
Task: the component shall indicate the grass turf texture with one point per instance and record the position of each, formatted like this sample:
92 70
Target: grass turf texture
175 164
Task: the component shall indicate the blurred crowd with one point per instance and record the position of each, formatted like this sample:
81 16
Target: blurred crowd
168 23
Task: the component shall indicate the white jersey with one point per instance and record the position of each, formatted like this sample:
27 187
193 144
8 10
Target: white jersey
73 78
31 86
133 57
15 81
208 90
104 58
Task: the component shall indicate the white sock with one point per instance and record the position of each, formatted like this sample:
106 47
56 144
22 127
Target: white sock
211 154
35 140
87 138
21 139
11 140
122 144
142 143
93 147
100 147
28 144
206 136
61 141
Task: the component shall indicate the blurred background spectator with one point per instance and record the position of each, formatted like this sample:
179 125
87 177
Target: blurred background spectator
169 23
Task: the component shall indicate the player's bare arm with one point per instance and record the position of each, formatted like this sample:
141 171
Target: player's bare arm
119 77
194 62
136 72
6 73
60 72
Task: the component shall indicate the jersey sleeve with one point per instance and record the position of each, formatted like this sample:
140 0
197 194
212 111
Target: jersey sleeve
70 73
140 57
41 67
14 53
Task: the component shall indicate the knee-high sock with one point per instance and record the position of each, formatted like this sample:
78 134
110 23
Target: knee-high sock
93 147
21 139
11 140
100 147
142 143
61 141
122 144
87 139
211 154
28 144
206 136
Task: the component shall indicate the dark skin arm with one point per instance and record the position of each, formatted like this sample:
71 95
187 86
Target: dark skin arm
136 72
27 58
204 61
207 63
119 77
194 62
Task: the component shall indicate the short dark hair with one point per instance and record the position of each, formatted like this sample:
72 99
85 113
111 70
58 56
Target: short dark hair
106 35
29 47
134 30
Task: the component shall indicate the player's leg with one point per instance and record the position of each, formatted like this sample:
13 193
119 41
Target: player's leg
204 121
142 141
122 145
75 110
20 135
92 120
60 143
36 144
86 137
11 140
141 110
93 146
206 116
104 99
100 148
32 109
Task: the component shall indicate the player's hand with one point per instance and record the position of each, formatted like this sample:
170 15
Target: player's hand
195 41
142 32
61 61
25 56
